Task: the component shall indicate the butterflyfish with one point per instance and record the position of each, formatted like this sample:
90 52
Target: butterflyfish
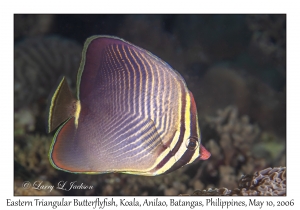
132 114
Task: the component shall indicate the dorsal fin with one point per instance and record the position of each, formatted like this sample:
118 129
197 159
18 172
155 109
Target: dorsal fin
62 105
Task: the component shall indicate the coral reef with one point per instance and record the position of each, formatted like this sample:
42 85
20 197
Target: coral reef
25 120
237 146
231 146
234 132
39 62
234 147
267 182
31 151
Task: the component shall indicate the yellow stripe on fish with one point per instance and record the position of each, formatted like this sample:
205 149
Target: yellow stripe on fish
132 114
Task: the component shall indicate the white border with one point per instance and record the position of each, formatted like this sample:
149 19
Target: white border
8 8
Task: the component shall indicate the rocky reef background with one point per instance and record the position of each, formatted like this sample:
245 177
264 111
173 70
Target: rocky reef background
235 65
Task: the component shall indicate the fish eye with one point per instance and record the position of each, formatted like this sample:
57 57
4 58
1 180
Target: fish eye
192 143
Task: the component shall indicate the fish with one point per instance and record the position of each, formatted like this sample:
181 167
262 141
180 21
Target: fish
133 113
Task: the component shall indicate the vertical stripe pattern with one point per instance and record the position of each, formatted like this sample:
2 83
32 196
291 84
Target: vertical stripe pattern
137 115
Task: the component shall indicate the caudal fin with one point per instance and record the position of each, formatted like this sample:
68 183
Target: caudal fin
62 105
